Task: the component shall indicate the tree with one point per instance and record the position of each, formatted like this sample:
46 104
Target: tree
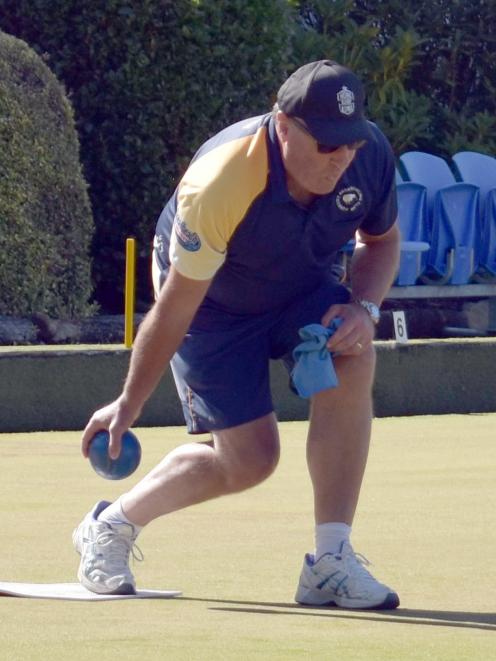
427 65
45 218
150 81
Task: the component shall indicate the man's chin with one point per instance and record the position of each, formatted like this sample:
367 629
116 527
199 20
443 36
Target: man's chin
323 190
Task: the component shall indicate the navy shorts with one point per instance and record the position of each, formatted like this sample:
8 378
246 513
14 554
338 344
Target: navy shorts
221 369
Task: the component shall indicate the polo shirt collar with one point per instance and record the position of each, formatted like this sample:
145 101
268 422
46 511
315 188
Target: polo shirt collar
278 185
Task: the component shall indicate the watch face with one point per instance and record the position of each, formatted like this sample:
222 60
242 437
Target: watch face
374 313
372 309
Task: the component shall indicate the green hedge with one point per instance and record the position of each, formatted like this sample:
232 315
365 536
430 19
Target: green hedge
150 81
45 218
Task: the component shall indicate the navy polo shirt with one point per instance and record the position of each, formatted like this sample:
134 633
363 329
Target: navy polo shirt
232 219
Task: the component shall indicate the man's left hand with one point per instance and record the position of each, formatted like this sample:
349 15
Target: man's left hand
356 331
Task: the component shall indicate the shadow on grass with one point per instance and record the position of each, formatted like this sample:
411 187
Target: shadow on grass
484 621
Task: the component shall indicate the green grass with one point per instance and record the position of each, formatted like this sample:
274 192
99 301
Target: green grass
426 520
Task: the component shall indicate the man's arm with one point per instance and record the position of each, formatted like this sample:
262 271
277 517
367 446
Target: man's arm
158 337
374 264
373 269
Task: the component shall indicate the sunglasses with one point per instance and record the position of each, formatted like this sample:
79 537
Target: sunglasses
327 149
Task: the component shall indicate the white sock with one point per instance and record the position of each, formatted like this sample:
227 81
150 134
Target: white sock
330 536
114 514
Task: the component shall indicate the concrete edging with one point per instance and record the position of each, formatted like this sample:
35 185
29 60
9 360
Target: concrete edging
58 388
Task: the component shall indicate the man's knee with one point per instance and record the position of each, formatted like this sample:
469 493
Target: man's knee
357 370
252 464
355 379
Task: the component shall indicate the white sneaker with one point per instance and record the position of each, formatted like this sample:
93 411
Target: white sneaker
104 550
341 579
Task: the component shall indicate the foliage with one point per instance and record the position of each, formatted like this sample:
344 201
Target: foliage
475 132
150 81
427 65
45 217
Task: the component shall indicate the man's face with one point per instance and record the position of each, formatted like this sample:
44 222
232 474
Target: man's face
309 172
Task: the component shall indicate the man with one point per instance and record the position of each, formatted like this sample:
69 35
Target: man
243 260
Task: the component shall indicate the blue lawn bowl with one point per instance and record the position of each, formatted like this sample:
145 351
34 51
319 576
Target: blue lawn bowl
114 469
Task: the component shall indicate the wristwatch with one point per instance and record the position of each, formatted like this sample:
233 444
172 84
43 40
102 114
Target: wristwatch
372 309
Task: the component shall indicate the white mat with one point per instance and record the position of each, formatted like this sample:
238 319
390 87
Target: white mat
75 592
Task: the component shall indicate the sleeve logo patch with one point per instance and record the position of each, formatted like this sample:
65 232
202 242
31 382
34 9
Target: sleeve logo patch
349 199
187 239
158 243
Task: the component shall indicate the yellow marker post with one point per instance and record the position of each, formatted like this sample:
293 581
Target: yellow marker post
130 288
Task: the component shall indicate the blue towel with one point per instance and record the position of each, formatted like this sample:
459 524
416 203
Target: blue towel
314 370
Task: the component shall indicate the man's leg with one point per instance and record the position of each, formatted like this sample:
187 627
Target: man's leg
337 450
338 438
236 459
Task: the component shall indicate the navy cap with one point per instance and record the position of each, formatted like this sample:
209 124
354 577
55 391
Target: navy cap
330 99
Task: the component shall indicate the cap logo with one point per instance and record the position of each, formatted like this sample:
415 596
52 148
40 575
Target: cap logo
346 101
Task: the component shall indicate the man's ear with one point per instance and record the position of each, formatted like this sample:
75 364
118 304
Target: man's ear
282 124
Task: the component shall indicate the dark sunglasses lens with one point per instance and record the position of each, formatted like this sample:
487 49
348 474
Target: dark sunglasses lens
328 149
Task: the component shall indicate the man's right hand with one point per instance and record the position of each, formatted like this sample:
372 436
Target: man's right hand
158 337
116 418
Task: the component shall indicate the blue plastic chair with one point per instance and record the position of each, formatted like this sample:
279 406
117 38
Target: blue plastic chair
480 170
454 236
412 220
487 258
477 169
453 219
431 171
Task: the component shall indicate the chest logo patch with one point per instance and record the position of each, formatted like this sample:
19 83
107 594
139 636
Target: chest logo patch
187 239
349 199
346 101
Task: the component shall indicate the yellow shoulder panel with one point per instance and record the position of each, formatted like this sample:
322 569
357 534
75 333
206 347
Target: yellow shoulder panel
214 197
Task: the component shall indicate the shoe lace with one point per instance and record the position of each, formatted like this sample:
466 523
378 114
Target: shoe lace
119 547
358 563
